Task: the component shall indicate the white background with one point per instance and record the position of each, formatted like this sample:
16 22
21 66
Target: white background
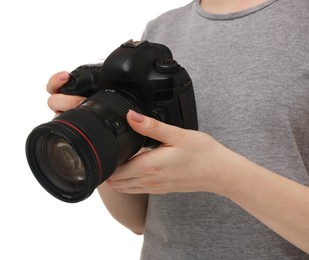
37 39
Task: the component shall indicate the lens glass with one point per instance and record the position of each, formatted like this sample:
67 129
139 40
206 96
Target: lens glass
61 164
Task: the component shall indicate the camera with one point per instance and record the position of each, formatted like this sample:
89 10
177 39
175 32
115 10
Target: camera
75 152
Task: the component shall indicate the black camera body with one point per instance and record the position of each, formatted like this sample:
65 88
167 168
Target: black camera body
146 72
73 154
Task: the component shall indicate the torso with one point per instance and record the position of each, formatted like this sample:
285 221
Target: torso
250 71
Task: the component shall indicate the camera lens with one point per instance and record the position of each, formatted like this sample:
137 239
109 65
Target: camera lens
64 164
73 154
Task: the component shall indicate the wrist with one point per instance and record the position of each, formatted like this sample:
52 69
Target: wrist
231 169
240 177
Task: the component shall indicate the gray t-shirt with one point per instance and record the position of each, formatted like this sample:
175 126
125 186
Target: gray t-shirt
250 71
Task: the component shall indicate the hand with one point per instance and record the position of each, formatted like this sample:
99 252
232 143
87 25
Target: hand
186 161
60 102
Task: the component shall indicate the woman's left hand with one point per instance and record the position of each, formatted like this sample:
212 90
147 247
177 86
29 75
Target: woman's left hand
186 161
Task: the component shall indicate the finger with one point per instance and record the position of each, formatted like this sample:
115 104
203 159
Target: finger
61 102
137 185
129 170
57 81
138 166
153 128
123 183
125 188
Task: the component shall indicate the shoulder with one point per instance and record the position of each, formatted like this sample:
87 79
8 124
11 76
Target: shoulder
166 20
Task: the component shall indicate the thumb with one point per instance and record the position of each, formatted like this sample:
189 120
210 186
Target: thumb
153 128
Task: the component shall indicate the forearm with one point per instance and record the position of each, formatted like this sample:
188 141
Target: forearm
128 209
281 204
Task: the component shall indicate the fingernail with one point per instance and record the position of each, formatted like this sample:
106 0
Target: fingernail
82 101
63 76
136 117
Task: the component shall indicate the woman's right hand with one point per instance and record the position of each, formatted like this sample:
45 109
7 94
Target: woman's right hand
60 102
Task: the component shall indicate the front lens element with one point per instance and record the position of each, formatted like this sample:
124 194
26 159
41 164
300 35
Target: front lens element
65 161
63 167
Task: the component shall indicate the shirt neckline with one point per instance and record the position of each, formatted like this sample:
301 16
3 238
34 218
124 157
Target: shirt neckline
230 16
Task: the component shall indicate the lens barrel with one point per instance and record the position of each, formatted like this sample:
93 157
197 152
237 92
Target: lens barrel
73 154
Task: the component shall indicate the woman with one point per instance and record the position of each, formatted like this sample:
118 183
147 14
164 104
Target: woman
238 187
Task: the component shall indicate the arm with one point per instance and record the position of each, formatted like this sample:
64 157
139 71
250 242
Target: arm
281 204
129 210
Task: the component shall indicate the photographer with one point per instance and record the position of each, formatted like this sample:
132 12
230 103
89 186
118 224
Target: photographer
238 187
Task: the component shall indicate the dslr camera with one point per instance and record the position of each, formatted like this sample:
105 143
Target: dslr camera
74 153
